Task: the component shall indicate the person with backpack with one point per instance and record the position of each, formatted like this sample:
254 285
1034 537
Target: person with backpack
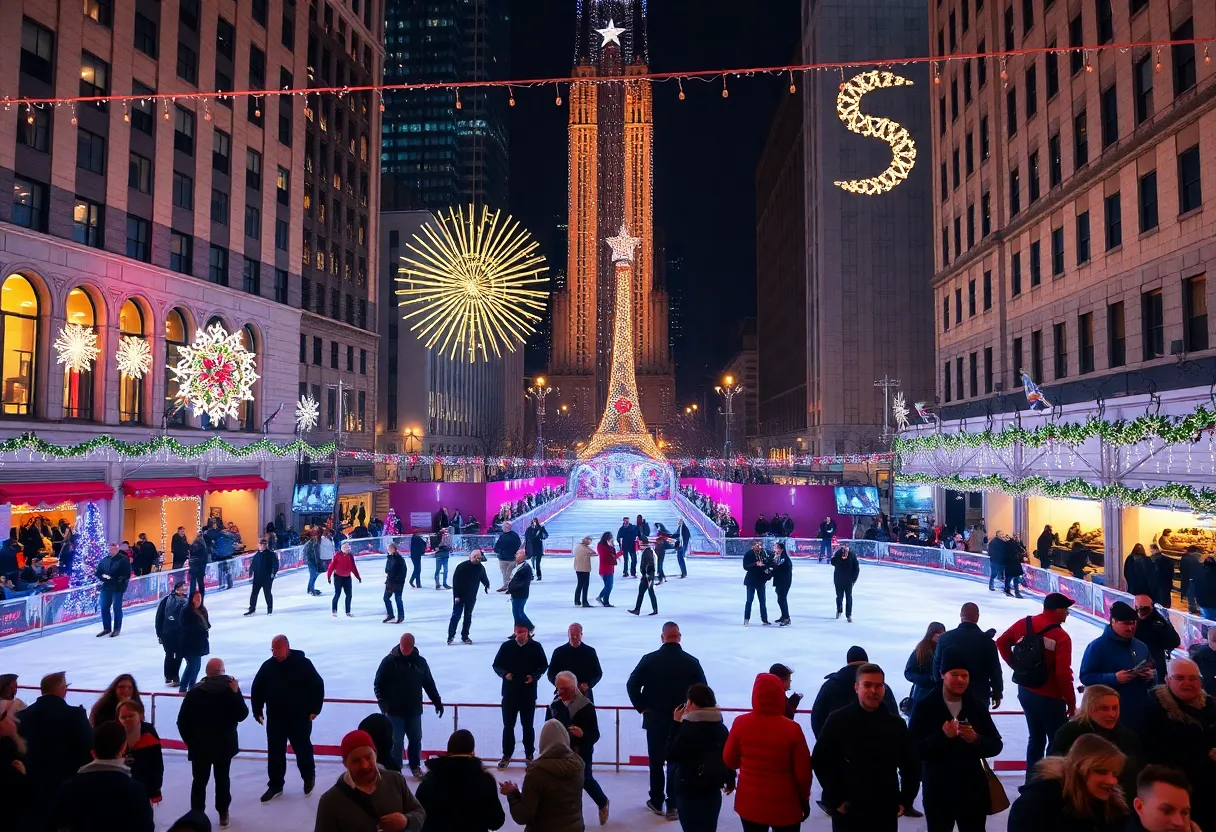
1039 651
695 750
169 631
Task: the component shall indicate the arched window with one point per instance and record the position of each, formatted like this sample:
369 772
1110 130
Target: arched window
18 345
131 389
249 410
78 384
176 335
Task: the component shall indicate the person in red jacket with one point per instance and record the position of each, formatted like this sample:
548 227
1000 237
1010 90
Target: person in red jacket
608 559
342 565
1046 691
770 753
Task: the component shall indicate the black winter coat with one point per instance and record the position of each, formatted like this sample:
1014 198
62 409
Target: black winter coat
209 717
627 537
951 774
845 570
194 642
169 619
837 692
583 717
757 568
465 579
290 691
395 573
534 540
521 663
417 546
400 682
783 572
102 799
977 652
521 581
119 570
827 530
180 547
1205 584
1182 737
920 675
507 545
1140 575
1160 637
1040 808
582 661
660 683
459 795
866 759
147 761
199 556
692 743
58 741
1163 567
263 566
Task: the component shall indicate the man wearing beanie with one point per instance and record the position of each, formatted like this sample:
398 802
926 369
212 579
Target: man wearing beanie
1120 660
837 690
551 796
368 798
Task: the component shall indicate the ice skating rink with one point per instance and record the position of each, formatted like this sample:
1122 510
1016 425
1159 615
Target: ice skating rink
892 608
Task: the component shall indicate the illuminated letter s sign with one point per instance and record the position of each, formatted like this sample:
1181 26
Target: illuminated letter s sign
903 149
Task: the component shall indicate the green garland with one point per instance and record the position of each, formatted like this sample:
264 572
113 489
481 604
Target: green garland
35 444
1200 500
1172 430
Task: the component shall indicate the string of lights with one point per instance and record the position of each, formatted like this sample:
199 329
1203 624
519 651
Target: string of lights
706 75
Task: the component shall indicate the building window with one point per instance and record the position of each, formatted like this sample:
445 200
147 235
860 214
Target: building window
331 408
183 191
1110 116
257 80
971 299
141 109
1076 39
316 352
941 115
1113 211
973 374
1142 87
955 167
38 134
1152 316
251 278
30 204
1036 264
1147 189
1011 112
281 234
1057 248
958 375
283 186
88 223
280 285
1015 193
286 108
981 66
1195 313
183 131
303 359
1032 171
1008 33
1106 21
219 206
1036 355
1082 240
1053 72
130 389
966 85
333 355
1136 6
90 151
187 64
188 13
253 169
288 37
139 233
1055 162
78 384
253 222
946 313
985 214
145 35
945 183
221 152
94 78
953 29
139 173
1015 274
970 226
217 265
1190 194
1018 367
958 306
1183 58
258 11
987 370
362 362
969 154
1085 343
19 313
1116 335
958 238
181 252
984 150
1032 92
954 100
350 358
1080 140
37 60
225 38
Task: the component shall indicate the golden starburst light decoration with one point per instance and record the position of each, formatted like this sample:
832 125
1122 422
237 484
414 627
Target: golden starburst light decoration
903 149
134 357
471 284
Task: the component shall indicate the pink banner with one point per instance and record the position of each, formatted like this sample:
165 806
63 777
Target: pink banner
730 493
498 493
807 505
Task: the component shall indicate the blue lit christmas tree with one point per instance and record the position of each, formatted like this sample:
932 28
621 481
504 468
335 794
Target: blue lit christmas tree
90 545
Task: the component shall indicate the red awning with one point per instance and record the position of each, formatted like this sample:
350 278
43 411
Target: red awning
238 482
175 487
53 493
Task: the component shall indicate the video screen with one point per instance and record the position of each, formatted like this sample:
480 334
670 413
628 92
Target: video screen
314 499
857 499
912 499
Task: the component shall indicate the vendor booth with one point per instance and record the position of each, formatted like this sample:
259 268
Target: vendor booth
1078 542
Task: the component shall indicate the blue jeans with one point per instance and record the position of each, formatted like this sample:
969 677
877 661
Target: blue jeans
407 727
825 548
390 595
699 811
441 564
313 572
111 599
607 590
518 614
592 787
193 663
683 568
1044 717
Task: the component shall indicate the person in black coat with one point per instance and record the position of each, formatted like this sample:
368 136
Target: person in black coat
417 550
579 658
144 555
757 570
656 687
401 679
783 578
58 740
1163 575
951 733
1157 633
534 544
695 749
458 794
646 581
1043 546
1139 573
207 723
520 662
996 560
291 693
837 690
845 570
1189 566
394 583
827 530
970 647
465 580
169 631
380 728
577 715
114 572
262 569
8 559
103 795
199 557
195 639
1015 555
627 542
683 535
179 546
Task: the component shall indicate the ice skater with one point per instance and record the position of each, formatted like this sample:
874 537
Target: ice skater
394 583
783 577
262 569
518 588
608 558
827 530
758 569
844 574
442 552
683 535
343 568
465 579
534 543
646 580
417 550
627 542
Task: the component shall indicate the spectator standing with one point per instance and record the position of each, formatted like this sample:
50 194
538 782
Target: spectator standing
506 547
520 663
1163 575
465 579
401 679
1189 567
169 631
1077 792
114 571
919 668
1162 803
1099 714
105 709
643 526
1119 660
443 553
996 560
582 571
953 734
196 642
695 751
1205 588
845 570
394 583
1015 556
865 761
534 544
577 715
417 550
839 690
579 658
646 581
380 728
1204 656
58 739
312 559
827 530
968 646
786 676
367 798
1158 635
458 794
207 723
656 687
342 568
627 540
683 535
144 557
518 588
179 546
144 757
200 556
1180 731
287 695
771 755
1039 651
762 526
1043 546
607 567
263 568
550 798
783 578
1139 573
8 694
102 795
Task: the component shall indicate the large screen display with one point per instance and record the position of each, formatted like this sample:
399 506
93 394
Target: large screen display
912 499
857 499
314 499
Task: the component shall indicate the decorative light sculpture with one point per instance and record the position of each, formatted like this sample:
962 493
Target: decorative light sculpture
76 347
903 149
216 373
134 356
899 409
308 413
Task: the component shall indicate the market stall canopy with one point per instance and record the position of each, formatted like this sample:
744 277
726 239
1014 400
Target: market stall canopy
51 494
174 487
237 482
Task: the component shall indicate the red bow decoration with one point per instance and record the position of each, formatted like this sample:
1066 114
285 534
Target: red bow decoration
623 406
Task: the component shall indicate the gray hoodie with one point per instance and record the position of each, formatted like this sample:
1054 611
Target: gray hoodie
551 796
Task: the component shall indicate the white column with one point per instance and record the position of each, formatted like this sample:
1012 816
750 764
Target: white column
1112 534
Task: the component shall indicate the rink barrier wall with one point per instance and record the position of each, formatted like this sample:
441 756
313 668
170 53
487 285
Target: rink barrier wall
483 719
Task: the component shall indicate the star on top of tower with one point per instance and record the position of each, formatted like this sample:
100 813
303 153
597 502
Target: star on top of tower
611 33
622 245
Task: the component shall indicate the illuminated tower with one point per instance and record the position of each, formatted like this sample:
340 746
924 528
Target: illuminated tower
611 184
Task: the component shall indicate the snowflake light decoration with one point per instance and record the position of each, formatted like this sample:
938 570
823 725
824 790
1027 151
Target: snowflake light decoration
899 409
134 357
216 373
903 149
308 413
76 347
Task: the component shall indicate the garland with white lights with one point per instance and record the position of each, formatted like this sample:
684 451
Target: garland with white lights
1201 500
165 446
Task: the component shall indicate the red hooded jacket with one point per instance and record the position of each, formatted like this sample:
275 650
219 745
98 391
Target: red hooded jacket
607 558
771 755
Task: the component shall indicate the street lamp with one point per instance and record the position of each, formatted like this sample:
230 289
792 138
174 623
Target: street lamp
412 435
727 390
538 391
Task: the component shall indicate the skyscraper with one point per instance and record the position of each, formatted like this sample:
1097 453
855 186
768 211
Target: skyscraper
611 183
440 149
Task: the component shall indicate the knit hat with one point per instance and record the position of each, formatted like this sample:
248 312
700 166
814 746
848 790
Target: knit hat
856 654
1122 611
553 734
953 660
192 822
354 741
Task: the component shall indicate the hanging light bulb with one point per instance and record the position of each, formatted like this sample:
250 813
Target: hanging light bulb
29 114
725 91
511 99
1207 59
458 104
793 87
1089 67
1004 71
73 115
257 107
126 112
937 73
679 82
1157 66
166 110
206 110
558 100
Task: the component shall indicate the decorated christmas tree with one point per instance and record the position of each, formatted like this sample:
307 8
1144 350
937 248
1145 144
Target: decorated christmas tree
391 525
90 544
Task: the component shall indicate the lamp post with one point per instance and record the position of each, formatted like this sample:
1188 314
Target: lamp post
886 383
538 391
727 390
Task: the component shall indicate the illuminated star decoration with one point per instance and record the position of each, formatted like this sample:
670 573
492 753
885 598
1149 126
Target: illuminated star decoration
134 357
903 149
76 347
472 284
900 410
611 33
623 245
216 373
308 413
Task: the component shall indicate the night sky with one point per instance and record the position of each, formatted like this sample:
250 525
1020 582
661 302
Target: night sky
706 150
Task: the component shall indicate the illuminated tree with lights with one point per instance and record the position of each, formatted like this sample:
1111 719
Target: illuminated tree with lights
90 544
